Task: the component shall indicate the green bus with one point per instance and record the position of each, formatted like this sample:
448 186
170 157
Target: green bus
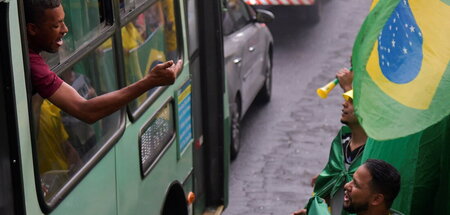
147 158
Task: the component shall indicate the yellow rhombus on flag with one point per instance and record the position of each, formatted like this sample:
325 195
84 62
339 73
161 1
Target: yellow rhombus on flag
401 59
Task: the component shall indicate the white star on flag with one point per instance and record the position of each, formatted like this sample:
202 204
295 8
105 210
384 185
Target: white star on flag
405 51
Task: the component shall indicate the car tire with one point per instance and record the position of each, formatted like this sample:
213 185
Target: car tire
313 12
235 129
265 93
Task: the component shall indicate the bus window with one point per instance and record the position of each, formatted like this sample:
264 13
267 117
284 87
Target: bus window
65 144
192 23
127 6
147 40
85 20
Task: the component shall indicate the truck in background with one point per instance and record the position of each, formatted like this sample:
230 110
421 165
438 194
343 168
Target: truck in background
310 9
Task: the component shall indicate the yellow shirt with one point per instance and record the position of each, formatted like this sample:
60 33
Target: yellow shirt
51 136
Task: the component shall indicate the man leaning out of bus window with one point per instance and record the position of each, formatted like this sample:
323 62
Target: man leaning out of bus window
45 31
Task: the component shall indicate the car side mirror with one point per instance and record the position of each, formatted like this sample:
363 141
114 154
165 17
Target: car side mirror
264 16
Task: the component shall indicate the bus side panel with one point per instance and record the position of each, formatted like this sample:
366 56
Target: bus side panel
96 193
146 195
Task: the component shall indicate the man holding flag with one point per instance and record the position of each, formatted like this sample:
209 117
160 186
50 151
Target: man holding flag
345 157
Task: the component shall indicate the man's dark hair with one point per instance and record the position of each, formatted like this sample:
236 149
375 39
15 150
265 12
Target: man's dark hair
385 179
34 9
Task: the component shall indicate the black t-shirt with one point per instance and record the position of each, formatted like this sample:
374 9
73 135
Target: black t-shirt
349 155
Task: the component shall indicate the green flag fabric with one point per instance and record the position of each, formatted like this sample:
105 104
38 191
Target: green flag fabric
401 60
317 206
423 162
335 174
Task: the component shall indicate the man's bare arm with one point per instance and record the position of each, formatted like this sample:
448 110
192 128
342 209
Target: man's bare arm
68 99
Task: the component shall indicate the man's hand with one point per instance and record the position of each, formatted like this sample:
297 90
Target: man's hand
345 78
300 212
164 73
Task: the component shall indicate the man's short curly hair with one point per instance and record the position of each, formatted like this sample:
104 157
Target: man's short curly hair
385 179
34 9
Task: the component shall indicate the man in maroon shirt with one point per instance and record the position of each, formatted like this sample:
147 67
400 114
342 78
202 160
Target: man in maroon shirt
45 30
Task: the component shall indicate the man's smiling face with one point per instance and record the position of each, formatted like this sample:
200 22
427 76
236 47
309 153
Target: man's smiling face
47 33
358 192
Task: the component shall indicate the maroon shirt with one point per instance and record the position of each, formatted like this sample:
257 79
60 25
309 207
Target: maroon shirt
44 81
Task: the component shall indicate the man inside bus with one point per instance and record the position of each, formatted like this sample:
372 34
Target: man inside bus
45 31
372 191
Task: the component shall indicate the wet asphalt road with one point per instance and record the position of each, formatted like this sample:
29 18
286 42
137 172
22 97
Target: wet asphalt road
286 142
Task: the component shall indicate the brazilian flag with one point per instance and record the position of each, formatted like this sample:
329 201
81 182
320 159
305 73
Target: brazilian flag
401 61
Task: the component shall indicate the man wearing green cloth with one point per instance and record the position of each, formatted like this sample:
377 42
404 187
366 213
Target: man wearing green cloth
372 190
344 159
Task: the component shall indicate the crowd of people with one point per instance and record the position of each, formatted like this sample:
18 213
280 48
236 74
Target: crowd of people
347 184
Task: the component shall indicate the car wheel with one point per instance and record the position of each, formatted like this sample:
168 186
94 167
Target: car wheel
235 129
266 91
313 12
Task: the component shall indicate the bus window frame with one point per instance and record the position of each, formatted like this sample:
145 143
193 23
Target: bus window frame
48 206
129 17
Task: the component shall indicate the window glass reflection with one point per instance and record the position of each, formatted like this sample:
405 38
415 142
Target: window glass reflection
235 17
192 22
148 40
84 19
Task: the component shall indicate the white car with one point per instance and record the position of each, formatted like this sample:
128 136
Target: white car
248 48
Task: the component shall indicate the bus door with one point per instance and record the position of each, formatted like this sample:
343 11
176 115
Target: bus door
194 67
210 104
11 195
